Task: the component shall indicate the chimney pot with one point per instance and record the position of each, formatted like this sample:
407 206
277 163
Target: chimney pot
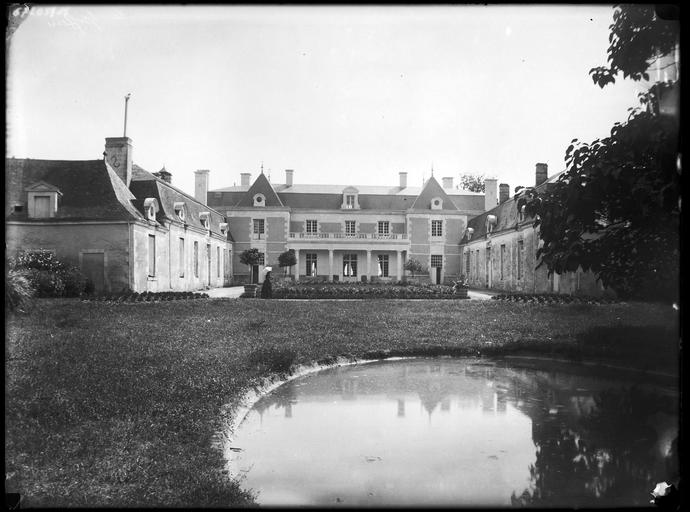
245 178
201 185
503 193
289 173
403 179
542 174
490 193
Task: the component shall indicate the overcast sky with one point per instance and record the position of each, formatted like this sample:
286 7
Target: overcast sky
341 94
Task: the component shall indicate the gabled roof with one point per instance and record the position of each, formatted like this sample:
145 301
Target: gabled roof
261 186
91 189
431 190
42 186
145 184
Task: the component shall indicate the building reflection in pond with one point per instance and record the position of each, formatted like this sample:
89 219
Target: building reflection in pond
527 435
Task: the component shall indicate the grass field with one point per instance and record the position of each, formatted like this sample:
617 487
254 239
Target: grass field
118 404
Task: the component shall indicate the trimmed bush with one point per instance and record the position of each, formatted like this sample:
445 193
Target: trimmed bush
75 282
47 283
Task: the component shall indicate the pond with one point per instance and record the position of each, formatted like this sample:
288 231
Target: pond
463 432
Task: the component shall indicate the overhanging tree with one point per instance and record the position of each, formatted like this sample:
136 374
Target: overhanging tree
250 257
615 210
287 258
473 182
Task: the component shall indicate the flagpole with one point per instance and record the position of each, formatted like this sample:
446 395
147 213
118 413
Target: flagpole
126 100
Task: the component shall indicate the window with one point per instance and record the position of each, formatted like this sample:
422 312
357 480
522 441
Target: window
196 259
467 263
258 228
349 201
152 255
218 261
383 265
181 256
180 210
384 228
503 261
312 227
436 203
520 255
436 228
259 200
311 265
42 206
350 228
521 213
205 219
350 265
436 260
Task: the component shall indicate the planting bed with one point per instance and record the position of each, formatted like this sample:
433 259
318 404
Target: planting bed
550 298
363 291
145 297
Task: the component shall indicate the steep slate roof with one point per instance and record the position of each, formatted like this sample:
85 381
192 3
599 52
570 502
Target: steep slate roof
330 197
260 186
506 214
145 184
90 189
433 189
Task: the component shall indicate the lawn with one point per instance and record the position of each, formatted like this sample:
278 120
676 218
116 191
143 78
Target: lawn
111 404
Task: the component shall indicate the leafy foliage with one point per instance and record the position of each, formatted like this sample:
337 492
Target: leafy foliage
48 276
18 290
473 182
250 257
287 259
638 34
414 267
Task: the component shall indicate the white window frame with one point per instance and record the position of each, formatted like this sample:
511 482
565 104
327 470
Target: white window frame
438 225
383 224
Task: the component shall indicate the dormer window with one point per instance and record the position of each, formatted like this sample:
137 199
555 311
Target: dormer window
223 226
151 208
43 200
350 199
180 211
470 232
259 200
490 223
521 213
205 219
436 203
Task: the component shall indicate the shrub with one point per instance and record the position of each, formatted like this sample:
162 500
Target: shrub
75 282
39 260
18 290
46 283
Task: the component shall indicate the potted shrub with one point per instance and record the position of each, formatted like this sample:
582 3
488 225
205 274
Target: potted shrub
460 286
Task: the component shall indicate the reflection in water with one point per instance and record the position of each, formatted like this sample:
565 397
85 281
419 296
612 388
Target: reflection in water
460 432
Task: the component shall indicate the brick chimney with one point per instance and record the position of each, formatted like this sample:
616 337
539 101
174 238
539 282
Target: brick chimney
164 175
542 174
289 173
201 185
448 182
118 152
403 179
503 193
490 193
245 178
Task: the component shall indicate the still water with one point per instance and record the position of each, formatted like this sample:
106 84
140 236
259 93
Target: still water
464 432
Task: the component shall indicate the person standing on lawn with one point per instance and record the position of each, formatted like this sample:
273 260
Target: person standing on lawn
266 288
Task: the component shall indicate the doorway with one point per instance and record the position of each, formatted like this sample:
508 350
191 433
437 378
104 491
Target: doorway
255 274
93 267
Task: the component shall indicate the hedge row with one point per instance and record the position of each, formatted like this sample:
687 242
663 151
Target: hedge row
546 298
146 297
363 291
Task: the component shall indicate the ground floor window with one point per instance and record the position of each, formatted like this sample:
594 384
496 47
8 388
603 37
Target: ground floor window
181 257
262 259
152 255
467 263
383 265
196 259
520 256
436 260
350 265
503 261
218 261
311 265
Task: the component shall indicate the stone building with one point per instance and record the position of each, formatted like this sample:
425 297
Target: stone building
346 232
126 228
499 250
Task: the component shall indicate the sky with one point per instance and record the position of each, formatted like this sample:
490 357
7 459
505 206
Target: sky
340 94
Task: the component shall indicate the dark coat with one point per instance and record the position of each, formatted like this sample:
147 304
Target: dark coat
266 288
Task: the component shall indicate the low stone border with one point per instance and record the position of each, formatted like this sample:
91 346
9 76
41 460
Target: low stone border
546 298
146 297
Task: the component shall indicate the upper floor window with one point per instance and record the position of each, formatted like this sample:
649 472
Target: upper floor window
312 227
384 228
223 226
205 218
258 228
43 200
350 228
180 211
259 200
436 203
350 198
436 228
491 222
521 212
151 208
436 260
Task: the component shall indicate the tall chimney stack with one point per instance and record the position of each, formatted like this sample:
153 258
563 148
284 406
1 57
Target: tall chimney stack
289 173
503 193
118 152
245 178
448 182
403 179
542 174
490 193
201 185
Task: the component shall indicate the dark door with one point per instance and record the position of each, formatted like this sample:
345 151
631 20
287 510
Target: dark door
438 275
255 274
92 265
